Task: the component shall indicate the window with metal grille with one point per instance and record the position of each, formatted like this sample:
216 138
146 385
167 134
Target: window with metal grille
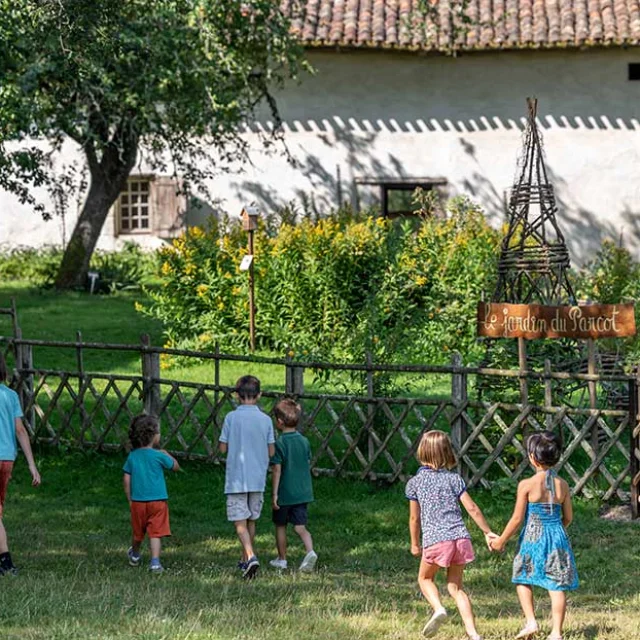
135 206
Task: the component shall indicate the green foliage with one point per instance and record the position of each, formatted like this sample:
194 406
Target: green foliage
170 80
337 287
130 267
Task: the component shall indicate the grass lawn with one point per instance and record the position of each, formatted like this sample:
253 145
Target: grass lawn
70 537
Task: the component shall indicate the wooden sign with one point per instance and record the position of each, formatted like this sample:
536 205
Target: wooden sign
533 321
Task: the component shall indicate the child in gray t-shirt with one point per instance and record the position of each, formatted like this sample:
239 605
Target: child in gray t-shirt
435 494
248 440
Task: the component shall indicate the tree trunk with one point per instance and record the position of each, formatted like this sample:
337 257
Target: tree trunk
108 177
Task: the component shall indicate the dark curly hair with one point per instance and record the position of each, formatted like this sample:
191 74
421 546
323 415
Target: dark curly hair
143 430
545 447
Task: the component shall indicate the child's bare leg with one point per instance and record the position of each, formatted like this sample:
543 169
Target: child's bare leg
558 611
244 536
525 595
305 536
155 544
251 526
4 547
281 542
426 580
454 585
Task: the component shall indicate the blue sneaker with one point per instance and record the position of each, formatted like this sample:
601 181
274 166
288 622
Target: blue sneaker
251 568
134 560
156 567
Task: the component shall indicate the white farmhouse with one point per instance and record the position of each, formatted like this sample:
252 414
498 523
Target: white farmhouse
399 101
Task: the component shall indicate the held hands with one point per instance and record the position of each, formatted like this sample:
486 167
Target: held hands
489 538
497 544
416 550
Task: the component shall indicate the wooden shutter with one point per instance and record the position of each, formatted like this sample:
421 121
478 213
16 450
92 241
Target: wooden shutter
169 207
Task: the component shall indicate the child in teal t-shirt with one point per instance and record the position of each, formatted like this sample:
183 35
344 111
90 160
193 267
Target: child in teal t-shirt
146 489
292 489
12 431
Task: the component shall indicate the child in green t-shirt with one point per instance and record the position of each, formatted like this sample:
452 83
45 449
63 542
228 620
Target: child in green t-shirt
292 490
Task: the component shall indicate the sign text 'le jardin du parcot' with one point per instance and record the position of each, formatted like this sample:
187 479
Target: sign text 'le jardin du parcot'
534 321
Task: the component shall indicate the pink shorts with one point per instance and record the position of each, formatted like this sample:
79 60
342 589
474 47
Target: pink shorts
444 554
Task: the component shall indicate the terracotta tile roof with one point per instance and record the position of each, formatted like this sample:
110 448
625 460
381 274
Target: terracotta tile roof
487 24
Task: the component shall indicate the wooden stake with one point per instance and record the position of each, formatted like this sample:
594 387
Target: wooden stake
252 300
522 364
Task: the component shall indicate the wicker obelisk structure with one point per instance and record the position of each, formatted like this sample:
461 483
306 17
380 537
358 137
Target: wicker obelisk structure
534 260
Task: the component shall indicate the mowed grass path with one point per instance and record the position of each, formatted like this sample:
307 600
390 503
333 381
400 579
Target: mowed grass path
70 537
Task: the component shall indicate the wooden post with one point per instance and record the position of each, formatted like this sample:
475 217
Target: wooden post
591 370
459 395
522 364
252 301
634 421
14 318
150 376
81 384
548 394
24 364
294 378
370 407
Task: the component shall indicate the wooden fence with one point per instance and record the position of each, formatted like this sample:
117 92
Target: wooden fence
365 435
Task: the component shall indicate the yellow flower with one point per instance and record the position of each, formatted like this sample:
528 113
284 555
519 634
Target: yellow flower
202 290
421 281
137 306
430 316
196 232
445 348
291 353
228 276
190 269
236 291
376 339
166 269
220 305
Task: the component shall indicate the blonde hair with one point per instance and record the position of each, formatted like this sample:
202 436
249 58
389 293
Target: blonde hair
436 451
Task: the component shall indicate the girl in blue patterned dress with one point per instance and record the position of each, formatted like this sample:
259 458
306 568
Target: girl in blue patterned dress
544 557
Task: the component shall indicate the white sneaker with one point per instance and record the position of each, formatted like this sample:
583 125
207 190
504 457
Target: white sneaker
276 563
529 630
309 562
434 623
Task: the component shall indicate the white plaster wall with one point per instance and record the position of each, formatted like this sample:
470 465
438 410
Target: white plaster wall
461 118
390 114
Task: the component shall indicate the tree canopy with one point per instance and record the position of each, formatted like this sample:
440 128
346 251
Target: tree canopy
166 79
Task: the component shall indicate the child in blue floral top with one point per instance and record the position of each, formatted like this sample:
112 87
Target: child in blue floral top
435 494
544 557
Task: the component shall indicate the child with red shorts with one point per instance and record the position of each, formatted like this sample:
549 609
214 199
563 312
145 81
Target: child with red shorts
12 431
146 490
435 494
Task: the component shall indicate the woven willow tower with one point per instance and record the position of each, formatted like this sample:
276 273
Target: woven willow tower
534 259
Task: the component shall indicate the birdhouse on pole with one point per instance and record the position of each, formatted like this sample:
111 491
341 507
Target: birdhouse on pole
250 218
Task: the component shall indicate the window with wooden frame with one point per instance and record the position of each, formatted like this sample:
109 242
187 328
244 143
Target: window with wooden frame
134 206
396 194
154 205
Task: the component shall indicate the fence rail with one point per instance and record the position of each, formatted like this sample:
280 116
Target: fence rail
367 435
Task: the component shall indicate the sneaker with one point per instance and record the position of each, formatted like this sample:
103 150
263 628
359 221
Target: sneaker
242 565
134 560
156 568
309 562
434 623
251 568
528 631
278 564
9 571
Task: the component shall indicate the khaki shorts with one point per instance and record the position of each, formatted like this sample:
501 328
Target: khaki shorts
244 506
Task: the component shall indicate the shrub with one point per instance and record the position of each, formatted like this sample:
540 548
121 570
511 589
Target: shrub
130 267
336 287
